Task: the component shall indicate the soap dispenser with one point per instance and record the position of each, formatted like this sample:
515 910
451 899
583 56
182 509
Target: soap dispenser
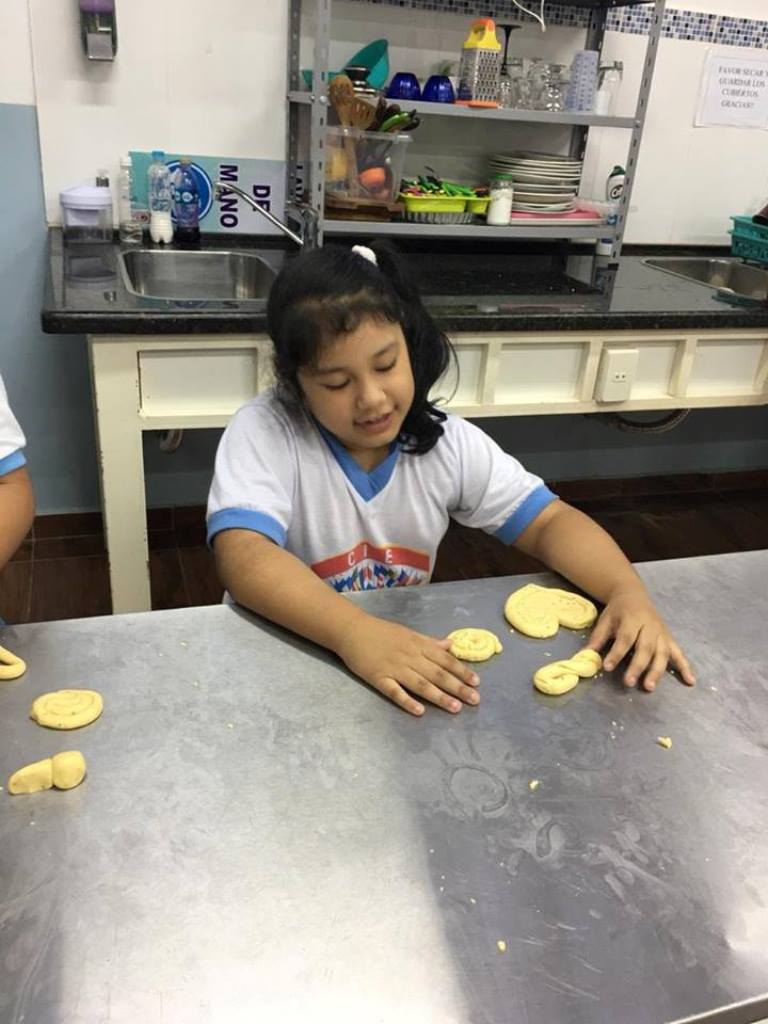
98 29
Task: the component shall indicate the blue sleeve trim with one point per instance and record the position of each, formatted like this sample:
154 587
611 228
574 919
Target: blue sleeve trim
523 516
13 461
245 519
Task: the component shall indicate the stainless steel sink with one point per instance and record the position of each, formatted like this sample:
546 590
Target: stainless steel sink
727 276
195 274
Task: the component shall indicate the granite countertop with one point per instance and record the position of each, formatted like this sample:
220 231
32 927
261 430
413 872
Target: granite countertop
465 290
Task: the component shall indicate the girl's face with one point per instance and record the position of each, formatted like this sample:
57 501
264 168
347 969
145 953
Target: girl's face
362 388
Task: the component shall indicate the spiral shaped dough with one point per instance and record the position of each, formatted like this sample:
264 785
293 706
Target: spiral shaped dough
474 644
67 709
540 611
559 677
11 667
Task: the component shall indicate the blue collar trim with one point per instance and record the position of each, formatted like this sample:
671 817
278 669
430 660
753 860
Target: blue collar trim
367 485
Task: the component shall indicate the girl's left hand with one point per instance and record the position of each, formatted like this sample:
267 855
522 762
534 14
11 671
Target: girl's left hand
631 620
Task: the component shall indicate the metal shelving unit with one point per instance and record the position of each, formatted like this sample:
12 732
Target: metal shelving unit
307 121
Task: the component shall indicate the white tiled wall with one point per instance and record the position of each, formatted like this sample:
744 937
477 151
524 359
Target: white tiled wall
214 83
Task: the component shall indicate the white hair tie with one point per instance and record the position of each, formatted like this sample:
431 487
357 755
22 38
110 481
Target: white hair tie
366 253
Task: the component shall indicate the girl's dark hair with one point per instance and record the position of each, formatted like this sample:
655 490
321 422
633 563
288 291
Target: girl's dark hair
327 292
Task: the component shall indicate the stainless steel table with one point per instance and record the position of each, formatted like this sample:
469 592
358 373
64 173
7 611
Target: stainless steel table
261 837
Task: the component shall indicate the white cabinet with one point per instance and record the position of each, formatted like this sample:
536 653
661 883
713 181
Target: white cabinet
192 381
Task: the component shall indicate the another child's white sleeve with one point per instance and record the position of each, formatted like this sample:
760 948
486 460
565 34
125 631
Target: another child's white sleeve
495 492
11 437
253 482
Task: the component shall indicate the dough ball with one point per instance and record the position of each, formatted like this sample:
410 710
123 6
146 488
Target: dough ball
474 644
67 709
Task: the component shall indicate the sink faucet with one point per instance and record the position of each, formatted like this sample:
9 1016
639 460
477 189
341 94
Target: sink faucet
303 212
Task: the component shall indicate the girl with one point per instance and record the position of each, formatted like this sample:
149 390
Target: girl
17 505
344 477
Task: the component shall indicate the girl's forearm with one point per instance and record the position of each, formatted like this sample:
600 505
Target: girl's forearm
575 546
274 583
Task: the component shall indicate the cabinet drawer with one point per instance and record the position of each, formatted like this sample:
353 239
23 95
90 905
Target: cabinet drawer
186 382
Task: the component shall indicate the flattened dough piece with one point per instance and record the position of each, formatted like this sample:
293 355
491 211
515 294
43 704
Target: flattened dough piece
540 611
559 677
32 778
573 610
11 667
67 709
64 771
474 644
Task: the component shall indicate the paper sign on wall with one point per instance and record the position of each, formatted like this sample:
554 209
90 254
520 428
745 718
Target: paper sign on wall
733 91
262 179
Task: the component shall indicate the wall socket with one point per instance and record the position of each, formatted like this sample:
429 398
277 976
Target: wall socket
616 374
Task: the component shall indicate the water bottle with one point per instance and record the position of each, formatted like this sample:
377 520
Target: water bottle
130 228
186 204
160 198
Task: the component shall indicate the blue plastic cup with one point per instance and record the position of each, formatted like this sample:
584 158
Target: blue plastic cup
404 86
438 89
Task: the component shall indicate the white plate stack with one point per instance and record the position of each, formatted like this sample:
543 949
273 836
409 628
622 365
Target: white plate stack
543 182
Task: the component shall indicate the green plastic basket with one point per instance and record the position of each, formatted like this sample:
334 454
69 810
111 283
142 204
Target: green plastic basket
749 240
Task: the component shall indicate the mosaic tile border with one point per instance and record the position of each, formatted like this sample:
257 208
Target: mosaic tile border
693 26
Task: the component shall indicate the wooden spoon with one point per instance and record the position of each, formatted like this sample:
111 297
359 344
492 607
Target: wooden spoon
341 93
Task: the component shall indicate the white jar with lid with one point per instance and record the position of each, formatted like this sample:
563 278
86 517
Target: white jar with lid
86 213
500 207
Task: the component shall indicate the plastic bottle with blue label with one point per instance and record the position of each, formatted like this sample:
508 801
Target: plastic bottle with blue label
186 204
160 198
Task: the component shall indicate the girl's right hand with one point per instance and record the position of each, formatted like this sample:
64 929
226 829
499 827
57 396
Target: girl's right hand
399 662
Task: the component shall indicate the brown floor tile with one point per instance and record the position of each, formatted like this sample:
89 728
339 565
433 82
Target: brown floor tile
159 518
471 554
199 570
749 479
166 580
15 591
586 490
161 540
69 547
25 551
69 524
70 588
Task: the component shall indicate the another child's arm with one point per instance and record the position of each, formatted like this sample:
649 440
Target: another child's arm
17 509
395 660
574 545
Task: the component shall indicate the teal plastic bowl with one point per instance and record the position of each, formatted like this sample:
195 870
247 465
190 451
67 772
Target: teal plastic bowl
374 56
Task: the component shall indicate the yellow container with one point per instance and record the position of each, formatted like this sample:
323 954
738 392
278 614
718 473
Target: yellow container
434 204
478 205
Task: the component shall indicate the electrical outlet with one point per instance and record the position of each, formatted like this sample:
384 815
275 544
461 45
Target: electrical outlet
616 374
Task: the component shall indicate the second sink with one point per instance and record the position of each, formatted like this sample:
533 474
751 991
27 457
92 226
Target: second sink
726 275
201 274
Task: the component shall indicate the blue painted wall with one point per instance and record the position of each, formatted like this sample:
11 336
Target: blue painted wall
46 375
48 381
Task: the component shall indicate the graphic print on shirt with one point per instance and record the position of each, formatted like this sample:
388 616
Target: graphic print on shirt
369 567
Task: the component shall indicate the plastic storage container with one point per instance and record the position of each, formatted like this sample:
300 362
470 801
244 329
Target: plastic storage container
86 214
353 158
749 240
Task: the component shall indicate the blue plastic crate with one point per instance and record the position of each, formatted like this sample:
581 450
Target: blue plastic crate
749 240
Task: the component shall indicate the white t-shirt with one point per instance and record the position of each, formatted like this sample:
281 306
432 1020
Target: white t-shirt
279 473
11 437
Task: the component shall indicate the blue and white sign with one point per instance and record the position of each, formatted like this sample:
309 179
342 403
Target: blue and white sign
262 179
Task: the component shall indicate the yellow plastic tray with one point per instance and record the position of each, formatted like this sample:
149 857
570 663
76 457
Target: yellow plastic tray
434 204
478 205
